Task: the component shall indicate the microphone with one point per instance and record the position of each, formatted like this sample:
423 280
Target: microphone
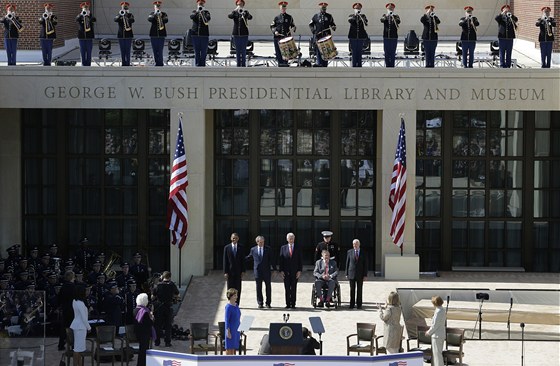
511 302
447 300
522 325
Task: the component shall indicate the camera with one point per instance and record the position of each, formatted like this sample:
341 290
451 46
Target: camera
482 296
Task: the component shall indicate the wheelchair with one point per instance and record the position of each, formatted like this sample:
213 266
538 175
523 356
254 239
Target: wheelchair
335 297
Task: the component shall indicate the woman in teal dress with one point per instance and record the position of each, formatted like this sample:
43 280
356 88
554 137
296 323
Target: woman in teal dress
233 318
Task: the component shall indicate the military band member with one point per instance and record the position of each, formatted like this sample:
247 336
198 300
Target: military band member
12 28
391 23
125 276
357 34
140 271
321 25
47 34
200 33
506 34
468 36
125 19
430 34
86 33
240 31
546 36
282 26
113 306
158 32
130 293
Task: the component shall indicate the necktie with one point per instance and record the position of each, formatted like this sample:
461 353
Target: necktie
291 250
356 255
326 268
234 247
260 252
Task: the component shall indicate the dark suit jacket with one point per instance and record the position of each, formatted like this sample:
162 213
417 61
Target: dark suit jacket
290 265
261 266
356 270
234 264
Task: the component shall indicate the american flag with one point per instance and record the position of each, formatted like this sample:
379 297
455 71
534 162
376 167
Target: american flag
397 195
171 363
399 363
177 205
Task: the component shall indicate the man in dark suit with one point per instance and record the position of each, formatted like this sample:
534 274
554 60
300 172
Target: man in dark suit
262 260
325 273
234 264
356 272
291 265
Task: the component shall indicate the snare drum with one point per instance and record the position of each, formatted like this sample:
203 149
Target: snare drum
288 48
326 48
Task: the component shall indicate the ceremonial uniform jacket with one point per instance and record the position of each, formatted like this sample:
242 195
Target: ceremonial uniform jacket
43 32
390 26
506 26
358 23
282 24
10 31
122 33
200 21
321 24
154 29
469 31
240 22
544 35
82 33
430 32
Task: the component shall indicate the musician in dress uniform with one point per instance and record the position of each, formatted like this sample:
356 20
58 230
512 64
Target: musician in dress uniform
391 23
33 258
506 34
125 276
165 293
113 306
130 294
12 28
200 33
158 32
430 34
357 34
140 271
468 36
47 34
125 19
240 33
95 272
321 25
282 26
86 33
546 36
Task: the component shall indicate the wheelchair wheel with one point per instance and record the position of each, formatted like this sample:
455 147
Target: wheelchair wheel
313 298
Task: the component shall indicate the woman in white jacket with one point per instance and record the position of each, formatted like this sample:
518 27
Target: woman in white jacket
391 316
437 331
80 325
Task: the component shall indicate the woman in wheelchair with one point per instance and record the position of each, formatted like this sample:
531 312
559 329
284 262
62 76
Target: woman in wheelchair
326 272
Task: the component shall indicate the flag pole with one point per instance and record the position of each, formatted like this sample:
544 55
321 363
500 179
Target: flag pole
180 118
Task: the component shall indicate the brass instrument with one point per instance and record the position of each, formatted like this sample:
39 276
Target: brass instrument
15 21
49 26
126 23
122 12
200 10
547 26
46 15
470 19
29 317
433 16
87 25
57 261
108 271
159 20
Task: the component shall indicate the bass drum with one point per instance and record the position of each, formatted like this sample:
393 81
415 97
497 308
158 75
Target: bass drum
326 48
288 48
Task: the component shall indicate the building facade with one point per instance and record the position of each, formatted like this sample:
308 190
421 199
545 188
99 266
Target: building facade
86 153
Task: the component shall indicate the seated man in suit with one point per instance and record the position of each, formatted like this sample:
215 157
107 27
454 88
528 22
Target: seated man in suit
325 273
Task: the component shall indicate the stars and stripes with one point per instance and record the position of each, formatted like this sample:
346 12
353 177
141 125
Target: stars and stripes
397 194
171 363
398 363
177 205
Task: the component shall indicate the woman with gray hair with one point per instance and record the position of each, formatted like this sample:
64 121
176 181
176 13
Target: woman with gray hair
144 328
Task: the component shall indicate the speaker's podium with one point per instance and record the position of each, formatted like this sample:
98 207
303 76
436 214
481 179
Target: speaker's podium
285 338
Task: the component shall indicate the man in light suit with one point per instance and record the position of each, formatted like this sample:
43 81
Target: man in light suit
325 273
437 331
291 265
356 272
262 260
234 264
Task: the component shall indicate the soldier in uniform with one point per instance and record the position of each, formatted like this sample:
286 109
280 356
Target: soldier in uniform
329 245
357 34
130 293
96 270
546 36
139 271
165 293
47 34
158 31
125 276
125 19
33 259
199 33
468 36
391 23
12 28
86 33
506 34
240 33
430 34
282 26
22 281
321 25
13 256
113 306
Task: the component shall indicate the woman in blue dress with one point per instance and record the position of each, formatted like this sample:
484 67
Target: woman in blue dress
233 318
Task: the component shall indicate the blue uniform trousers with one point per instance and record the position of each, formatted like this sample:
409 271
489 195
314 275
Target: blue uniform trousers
430 51
46 48
506 46
390 49
200 45
86 45
157 47
357 48
546 54
241 49
279 59
468 53
11 50
125 44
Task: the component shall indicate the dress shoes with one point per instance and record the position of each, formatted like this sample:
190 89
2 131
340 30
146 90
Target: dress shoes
287 307
320 304
261 306
268 306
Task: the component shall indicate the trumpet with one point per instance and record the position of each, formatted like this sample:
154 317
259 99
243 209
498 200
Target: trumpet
240 10
10 16
157 12
122 12
199 9
508 14
45 15
84 13
390 13
432 14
